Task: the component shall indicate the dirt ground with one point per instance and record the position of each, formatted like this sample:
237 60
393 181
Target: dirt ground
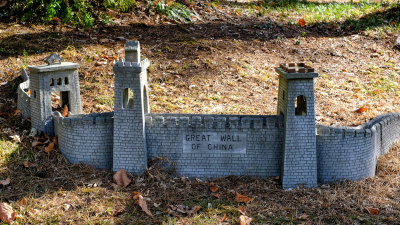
222 64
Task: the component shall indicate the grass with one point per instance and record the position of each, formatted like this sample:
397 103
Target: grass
349 15
7 150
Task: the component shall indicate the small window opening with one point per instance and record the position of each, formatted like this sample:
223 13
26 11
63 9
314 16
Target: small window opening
59 81
34 94
127 101
51 82
59 100
283 95
66 81
301 106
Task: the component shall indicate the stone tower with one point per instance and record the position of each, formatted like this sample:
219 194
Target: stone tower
130 106
56 76
296 104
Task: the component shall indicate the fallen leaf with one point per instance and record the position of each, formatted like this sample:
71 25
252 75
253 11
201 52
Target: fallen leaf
213 188
58 20
361 110
121 178
86 75
348 28
5 182
195 209
100 63
223 218
138 198
245 220
64 111
242 210
3 3
301 22
215 195
242 198
26 164
303 217
372 211
49 148
22 202
376 92
17 112
7 213
37 143
33 212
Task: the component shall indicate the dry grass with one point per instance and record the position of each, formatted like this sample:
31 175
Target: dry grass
223 64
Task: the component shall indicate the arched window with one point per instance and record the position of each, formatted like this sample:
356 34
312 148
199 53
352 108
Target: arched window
301 106
51 82
59 81
66 81
127 98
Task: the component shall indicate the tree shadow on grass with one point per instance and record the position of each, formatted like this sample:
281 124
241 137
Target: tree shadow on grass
248 29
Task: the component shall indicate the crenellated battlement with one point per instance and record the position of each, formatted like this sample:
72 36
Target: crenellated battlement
214 121
82 119
342 132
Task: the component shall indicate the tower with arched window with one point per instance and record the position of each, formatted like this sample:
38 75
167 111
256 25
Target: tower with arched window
130 106
296 105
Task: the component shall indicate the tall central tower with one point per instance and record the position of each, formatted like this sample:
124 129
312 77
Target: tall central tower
130 106
296 104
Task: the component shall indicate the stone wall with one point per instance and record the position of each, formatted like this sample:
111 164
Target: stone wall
86 139
167 135
345 153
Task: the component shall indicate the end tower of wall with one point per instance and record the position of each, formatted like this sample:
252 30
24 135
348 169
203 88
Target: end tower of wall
56 76
130 106
296 104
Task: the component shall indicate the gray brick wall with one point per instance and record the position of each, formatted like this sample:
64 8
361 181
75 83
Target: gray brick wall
86 139
345 153
164 135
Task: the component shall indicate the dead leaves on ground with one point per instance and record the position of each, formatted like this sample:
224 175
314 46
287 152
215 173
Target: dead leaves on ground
139 200
242 198
301 22
64 111
213 188
372 211
45 143
7 214
5 182
121 178
361 109
245 220
173 209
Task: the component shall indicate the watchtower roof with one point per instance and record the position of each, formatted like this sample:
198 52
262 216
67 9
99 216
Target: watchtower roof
296 71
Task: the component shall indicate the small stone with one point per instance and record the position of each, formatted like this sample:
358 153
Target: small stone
397 43
120 38
374 55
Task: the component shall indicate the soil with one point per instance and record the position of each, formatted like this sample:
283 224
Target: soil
222 64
